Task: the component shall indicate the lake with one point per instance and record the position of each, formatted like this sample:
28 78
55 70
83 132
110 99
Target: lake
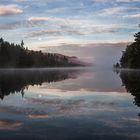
69 104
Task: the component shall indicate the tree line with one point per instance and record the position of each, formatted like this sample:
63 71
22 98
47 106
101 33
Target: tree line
131 56
17 56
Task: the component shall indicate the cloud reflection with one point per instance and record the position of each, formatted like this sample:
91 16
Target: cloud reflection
9 124
36 116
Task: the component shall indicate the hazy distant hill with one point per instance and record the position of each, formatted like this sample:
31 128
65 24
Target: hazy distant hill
72 59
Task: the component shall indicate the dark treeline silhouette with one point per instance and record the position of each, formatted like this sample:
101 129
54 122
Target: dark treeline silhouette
17 56
12 81
131 81
131 56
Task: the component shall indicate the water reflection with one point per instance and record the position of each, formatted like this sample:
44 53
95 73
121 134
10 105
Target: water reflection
94 106
9 124
131 81
12 81
80 79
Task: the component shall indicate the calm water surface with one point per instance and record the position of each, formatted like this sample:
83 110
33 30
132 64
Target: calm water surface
69 104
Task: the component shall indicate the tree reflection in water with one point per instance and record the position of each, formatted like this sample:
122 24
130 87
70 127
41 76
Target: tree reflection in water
12 81
131 81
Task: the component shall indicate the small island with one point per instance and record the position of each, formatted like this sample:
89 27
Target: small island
17 56
131 56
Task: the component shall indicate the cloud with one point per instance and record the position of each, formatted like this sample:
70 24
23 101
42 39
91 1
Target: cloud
64 19
9 124
20 24
133 16
73 26
57 26
115 1
126 1
38 0
37 116
43 32
89 29
20 0
112 11
38 19
119 10
58 107
54 32
43 19
6 10
79 30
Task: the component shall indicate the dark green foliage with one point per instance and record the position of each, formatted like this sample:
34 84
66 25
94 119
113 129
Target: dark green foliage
117 65
17 56
131 56
131 81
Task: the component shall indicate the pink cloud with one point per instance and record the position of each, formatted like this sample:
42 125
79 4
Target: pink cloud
6 10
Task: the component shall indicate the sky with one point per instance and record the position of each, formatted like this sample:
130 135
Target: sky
94 30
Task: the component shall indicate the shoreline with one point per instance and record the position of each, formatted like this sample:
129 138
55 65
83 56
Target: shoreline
47 68
126 69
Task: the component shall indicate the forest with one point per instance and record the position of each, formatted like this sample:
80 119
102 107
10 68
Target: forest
17 56
131 56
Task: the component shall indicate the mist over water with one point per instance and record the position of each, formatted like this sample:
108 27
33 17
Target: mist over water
69 103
